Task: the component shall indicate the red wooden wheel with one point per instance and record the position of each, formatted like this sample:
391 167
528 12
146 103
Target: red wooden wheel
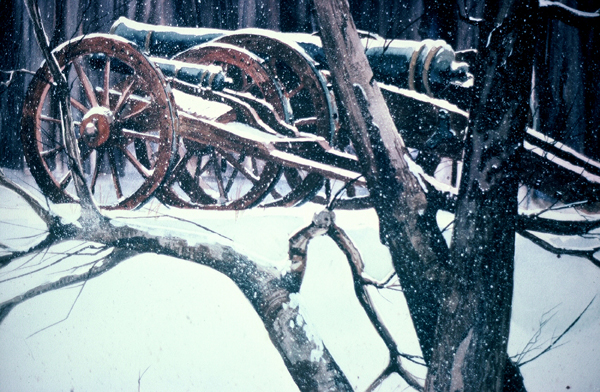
313 109
208 177
124 121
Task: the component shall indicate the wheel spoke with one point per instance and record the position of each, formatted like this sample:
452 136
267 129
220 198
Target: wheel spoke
305 121
137 107
179 167
216 163
139 135
65 180
50 119
238 166
201 169
79 106
291 94
115 174
246 85
49 154
292 176
125 95
254 166
106 97
85 82
146 173
235 172
276 195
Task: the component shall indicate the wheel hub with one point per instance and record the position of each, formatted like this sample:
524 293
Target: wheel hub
95 126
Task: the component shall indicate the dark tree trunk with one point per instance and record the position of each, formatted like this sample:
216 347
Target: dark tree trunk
390 19
11 96
461 310
473 328
296 15
559 88
407 225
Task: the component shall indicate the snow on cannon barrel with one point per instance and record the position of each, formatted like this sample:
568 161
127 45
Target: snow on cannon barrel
162 41
427 66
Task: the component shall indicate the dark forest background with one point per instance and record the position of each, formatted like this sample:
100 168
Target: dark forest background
565 105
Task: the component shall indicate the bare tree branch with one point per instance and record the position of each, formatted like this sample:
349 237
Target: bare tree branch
273 293
10 75
37 207
584 253
324 223
56 230
560 336
356 265
97 269
554 226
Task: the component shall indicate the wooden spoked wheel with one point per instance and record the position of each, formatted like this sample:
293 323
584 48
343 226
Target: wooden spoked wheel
123 117
208 177
313 109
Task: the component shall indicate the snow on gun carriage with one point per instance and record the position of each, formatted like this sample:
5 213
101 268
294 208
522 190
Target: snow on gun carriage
232 119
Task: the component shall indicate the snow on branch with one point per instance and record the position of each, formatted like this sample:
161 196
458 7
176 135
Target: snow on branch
568 15
554 226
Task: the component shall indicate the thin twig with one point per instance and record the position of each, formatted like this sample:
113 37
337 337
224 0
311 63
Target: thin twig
560 336
140 378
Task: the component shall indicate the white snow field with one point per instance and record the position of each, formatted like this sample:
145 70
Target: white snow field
155 323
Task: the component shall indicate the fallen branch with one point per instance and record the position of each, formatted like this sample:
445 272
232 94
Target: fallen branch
272 292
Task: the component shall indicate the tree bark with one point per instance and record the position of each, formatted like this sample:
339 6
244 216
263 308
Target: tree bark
407 223
466 350
472 332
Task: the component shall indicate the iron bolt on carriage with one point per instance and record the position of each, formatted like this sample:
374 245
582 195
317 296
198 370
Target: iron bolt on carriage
229 120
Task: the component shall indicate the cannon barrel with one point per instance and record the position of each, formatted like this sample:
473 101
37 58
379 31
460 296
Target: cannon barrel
202 75
424 66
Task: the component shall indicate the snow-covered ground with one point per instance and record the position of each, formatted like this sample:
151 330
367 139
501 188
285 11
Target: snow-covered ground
155 323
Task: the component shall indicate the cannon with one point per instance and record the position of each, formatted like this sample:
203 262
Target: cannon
231 119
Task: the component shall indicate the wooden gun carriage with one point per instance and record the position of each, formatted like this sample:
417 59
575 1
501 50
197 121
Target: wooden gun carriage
229 120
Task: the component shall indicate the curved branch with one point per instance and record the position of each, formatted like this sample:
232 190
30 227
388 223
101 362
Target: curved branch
356 265
272 292
571 16
56 230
